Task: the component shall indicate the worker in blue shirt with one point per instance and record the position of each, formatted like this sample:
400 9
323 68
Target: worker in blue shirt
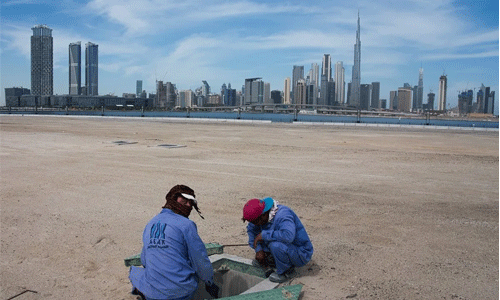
277 236
173 256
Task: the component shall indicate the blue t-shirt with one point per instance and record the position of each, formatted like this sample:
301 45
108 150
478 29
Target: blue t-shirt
174 258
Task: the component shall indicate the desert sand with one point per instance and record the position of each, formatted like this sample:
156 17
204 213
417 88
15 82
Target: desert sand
393 213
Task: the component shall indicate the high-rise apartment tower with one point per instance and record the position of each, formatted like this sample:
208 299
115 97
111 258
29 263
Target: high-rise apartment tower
339 83
42 61
75 68
91 69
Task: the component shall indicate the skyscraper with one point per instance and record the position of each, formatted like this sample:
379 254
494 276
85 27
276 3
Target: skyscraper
339 83
267 92
138 87
205 88
91 69
75 68
364 96
356 71
393 100
326 77
286 91
442 92
430 100
404 99
420 90
298 73
375 99
42 61
254 90
314 80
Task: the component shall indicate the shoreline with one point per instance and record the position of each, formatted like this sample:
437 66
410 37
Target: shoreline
242 121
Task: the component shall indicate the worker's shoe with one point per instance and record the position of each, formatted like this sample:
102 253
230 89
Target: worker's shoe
280 278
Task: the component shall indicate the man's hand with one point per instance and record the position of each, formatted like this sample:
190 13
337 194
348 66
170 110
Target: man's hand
257 240
213 290
260 257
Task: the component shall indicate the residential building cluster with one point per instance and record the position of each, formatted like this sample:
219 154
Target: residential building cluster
316 89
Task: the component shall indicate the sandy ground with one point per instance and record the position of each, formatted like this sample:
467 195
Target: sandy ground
392 213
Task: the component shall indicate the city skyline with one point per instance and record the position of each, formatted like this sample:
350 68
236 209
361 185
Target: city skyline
226 43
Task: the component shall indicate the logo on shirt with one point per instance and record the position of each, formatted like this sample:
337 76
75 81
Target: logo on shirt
157 237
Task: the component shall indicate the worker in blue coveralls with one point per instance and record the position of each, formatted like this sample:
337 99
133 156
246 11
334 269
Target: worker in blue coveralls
277 236
173 255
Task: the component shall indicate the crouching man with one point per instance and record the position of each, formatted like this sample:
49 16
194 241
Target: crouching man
173 255
277 236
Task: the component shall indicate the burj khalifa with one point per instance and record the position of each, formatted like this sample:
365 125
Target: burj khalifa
356 72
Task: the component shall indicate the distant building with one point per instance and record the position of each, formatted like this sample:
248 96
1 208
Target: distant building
300 92
13 96
138 87
420 90
214 100
229 96
348 97
254 91
330 98
383 103
129 95
364 96
356 71
393 100
75 68
276 97
186 99
404 99
430 100
339 83
442 92
205 89
485 100
161 95
298 74
314 79
92 69
465 102
375 99
326 77
267 93
42 61
170 95
286 91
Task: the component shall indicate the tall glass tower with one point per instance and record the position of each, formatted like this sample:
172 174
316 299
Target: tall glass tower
91 69
42 61
356 71
75 68
298 73
339 83
326 77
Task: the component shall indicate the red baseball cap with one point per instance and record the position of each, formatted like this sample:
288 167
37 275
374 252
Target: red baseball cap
253 209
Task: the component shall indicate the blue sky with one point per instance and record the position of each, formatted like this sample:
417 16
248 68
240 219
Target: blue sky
185 42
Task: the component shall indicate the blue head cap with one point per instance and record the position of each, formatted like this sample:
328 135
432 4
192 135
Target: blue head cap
269 202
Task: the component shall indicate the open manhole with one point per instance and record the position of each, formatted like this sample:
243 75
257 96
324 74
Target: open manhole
124 142
171 146
237 279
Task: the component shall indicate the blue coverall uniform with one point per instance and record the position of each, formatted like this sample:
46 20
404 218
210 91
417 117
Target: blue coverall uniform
174 258
285 238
